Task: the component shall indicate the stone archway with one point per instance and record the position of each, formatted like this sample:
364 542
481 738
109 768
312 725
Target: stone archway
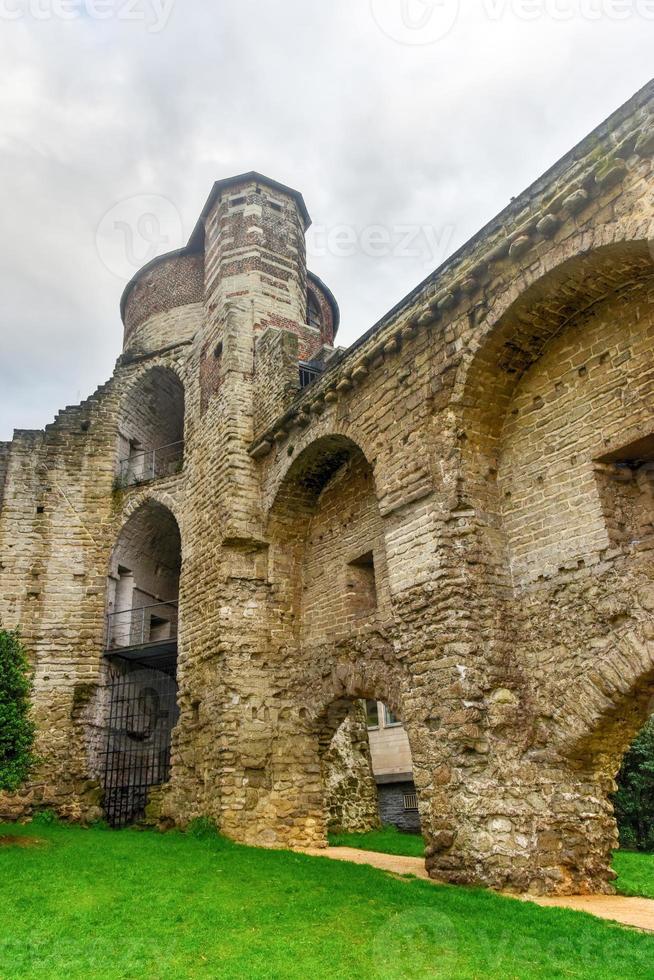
151 425
135 712
365 753
555 397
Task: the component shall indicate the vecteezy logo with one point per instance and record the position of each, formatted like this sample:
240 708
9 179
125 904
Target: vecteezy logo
135 230
415 21
423 940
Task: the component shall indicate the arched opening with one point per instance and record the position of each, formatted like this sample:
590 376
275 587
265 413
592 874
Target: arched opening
367 770
544 407
556 438
140 700
633 800
328 573
151 429
143 585
328 557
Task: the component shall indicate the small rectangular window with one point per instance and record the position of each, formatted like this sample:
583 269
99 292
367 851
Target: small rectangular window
361 585
625 480
410 801
390 719
372 714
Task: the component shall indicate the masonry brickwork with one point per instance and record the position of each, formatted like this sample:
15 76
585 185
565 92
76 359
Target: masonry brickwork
455 519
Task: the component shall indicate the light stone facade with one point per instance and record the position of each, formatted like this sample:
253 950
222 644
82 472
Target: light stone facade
455 519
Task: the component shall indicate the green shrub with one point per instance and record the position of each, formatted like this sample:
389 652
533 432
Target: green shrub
634 800
202 828
16 727
46 818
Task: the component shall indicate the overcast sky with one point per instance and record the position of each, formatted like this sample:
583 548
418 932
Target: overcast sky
407 125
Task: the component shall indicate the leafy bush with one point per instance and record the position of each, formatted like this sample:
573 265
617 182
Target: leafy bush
634 800
202 828
16 727
46 818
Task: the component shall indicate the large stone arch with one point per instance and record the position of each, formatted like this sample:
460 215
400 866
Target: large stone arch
334 574
148 496
327 694
605 708
518 331
151 424
325 435
631 238
556 386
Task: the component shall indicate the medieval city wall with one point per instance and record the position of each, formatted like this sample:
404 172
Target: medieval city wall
446 520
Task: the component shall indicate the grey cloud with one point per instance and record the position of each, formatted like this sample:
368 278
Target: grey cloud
372 132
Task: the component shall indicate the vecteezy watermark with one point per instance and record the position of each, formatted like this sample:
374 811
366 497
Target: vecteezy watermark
155 14
419 942
420 22
411 241
135 230
415 21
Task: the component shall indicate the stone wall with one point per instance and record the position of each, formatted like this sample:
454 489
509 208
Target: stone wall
392 810
590 389
350 790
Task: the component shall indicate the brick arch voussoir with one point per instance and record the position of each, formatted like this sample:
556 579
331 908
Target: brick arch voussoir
604 709
138 371
577 246
141 499
281 473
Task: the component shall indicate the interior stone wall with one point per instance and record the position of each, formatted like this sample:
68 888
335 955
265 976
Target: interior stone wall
592 386
337 594
350 790
152 412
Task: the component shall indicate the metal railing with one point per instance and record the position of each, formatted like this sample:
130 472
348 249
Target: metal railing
309 372
142 625
151 464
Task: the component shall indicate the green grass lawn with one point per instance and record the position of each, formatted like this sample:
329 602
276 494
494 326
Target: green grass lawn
387 841
103 904
635 873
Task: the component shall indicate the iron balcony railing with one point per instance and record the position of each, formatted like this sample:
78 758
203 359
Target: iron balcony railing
151 464
142 626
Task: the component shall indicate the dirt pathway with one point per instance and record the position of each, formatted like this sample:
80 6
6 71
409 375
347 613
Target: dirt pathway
637 912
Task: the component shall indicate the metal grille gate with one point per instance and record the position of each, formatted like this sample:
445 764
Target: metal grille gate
142 714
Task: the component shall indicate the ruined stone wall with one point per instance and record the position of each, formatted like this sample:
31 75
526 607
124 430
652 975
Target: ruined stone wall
519 673
5 451
350 790
52 582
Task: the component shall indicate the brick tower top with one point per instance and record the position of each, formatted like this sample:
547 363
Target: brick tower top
247 245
